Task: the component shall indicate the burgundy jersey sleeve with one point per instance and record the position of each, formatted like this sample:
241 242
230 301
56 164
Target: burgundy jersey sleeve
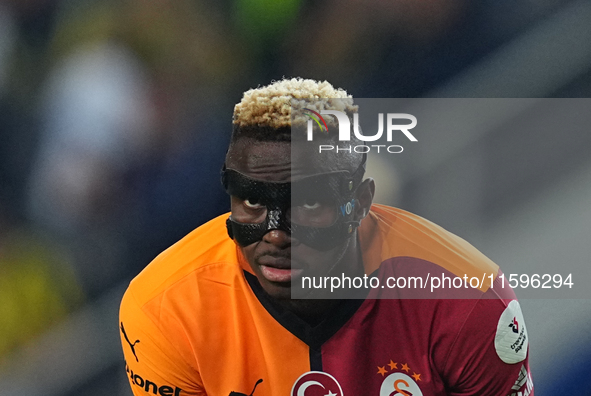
490 354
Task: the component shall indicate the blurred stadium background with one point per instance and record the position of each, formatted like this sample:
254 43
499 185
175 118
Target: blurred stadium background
115 115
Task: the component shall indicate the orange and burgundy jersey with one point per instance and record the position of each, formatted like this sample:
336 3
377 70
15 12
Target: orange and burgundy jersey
197 322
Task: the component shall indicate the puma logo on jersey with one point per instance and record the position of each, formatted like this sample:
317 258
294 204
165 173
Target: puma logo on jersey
243 394
132 346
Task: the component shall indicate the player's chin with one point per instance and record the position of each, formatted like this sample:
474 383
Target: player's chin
276 290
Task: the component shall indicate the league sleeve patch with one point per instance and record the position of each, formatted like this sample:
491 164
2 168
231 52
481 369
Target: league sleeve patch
511 340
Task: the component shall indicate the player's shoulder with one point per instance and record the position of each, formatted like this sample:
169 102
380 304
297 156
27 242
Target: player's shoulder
397 233
207 248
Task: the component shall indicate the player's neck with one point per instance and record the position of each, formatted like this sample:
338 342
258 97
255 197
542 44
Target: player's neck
310 311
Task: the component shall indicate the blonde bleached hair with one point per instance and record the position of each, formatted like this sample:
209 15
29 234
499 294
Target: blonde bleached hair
270 107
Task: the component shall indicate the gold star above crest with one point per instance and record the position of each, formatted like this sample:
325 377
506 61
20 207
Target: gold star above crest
392 365
405 367
416 376
382 370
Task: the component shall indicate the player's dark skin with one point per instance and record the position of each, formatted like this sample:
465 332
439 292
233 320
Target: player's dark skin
281 162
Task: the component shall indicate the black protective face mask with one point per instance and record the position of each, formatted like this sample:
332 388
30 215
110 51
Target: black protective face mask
336 188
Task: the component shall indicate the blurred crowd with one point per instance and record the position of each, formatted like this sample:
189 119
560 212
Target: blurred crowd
115 117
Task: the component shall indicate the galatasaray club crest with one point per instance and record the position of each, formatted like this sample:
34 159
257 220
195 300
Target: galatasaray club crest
399 380
316 383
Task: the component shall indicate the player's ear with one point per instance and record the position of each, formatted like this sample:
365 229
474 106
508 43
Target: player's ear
364 196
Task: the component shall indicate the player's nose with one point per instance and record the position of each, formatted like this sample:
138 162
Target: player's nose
279 238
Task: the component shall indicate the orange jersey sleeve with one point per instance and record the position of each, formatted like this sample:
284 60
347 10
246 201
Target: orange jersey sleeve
154 363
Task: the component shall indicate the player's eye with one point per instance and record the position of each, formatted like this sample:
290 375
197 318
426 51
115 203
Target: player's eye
313 212
252 203
311 205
